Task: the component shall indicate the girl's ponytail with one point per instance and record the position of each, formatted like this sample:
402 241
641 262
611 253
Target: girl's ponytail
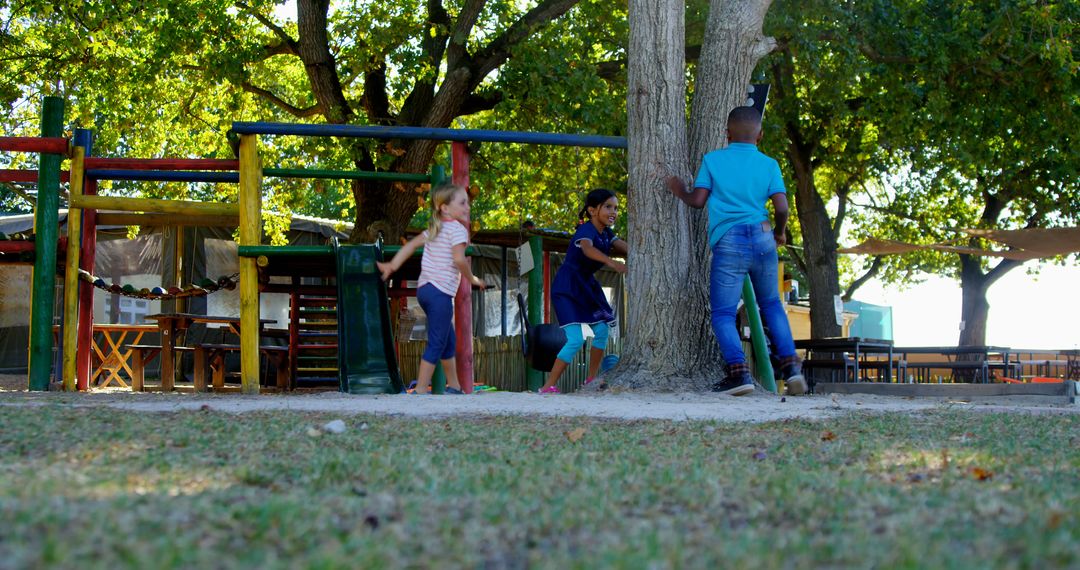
439 196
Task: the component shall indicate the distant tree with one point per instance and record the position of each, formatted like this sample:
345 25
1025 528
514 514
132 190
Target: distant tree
982 113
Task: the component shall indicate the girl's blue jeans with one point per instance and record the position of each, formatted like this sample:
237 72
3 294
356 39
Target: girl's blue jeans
748 249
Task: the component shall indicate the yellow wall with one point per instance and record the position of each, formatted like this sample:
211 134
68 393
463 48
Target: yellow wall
799 317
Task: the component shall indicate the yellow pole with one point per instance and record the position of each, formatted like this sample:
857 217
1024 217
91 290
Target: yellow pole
71 273
178 207
250 234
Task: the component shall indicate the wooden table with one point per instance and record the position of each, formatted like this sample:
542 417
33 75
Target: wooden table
859 348
113 355
172 324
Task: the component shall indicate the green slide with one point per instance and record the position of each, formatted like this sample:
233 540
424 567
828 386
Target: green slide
367 360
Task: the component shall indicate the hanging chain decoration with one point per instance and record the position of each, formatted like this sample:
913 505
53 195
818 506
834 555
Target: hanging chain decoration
205 286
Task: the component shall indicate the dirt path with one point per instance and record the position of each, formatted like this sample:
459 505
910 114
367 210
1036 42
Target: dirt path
756 407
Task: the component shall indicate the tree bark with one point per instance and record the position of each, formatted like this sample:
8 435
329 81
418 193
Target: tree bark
974 308
974 283
669 339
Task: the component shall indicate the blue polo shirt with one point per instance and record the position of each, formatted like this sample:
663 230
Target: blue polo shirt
740 179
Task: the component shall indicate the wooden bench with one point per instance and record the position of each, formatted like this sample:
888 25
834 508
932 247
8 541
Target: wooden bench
923 368
213 356
141 355
847 366
1041 367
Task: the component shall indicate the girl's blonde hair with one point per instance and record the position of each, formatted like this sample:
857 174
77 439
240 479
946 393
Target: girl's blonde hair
440 196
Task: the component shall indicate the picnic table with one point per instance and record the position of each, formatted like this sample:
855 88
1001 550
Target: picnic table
171 325
854 355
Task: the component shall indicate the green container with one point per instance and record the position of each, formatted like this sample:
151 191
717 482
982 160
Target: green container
367 359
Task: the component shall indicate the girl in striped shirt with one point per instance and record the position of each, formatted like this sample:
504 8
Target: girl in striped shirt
442 266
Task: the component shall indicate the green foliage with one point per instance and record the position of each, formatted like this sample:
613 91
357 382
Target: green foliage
941 115
169 78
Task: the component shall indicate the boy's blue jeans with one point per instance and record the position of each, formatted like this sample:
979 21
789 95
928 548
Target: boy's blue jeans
746 250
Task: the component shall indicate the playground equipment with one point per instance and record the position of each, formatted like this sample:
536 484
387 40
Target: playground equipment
247 171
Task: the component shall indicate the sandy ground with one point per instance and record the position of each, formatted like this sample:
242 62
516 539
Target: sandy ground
757 407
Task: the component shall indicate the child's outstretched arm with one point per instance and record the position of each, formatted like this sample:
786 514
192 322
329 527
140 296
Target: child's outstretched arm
387 268
619 248
463 266
594 254
695 199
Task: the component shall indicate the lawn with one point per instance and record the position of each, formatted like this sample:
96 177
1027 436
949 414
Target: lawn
98 487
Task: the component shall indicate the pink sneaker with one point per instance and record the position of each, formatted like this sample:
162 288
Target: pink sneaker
550 390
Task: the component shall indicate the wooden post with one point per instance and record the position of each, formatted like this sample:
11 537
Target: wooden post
250 234
71 275
87 256
46 222
463 328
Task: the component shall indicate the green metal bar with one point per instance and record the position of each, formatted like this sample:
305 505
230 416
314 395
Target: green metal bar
762 364
46 230
534 379
345 175
285 250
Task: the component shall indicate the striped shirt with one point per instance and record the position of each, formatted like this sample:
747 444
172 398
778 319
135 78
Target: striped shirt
437 263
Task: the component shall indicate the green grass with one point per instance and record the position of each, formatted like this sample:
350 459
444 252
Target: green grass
96 487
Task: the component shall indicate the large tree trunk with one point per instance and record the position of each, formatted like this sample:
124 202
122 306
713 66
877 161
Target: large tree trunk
974 308
670 344
819 246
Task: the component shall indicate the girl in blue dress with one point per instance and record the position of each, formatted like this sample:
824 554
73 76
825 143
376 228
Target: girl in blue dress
576 294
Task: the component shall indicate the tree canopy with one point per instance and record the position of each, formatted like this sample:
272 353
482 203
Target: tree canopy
168 79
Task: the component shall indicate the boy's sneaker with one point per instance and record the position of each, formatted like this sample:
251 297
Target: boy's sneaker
791 371
453 391
737 382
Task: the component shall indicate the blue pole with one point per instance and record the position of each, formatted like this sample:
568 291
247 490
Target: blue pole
465 135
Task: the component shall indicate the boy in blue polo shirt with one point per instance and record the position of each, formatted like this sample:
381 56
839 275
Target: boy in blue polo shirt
734 183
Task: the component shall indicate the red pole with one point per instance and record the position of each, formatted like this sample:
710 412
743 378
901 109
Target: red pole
162 164
459 158
87 253
46 145
9 175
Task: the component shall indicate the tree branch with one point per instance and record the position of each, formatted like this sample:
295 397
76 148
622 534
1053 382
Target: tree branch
286 44
21 193
281 103
478 102
376 102
841 209
319 63
498 50
797 257
870 274
458 45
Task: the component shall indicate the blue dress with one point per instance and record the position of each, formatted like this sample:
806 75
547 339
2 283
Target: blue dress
575 293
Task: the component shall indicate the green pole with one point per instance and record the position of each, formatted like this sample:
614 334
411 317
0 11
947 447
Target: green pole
534 379
762 365
46 234
438 174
